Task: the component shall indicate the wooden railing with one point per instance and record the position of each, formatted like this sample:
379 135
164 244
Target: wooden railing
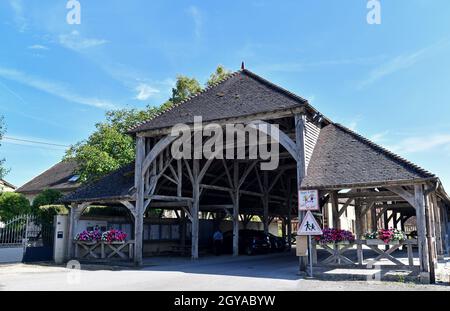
337 252
104 250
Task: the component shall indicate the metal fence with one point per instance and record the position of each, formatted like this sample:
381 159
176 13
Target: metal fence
14 232
26 231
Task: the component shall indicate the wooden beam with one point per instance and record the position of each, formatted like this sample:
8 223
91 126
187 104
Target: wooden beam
300 157
139 205
265 201
419 204
235 209
195 208
335 209
155 152
408 196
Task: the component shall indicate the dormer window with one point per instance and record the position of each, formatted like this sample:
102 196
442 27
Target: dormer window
74 178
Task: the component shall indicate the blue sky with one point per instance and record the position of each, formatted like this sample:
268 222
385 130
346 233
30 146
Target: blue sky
389 82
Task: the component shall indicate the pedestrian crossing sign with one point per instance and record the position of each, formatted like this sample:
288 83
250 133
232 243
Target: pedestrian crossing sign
309 226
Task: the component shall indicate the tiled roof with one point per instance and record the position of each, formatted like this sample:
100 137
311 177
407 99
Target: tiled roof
342 157
115 185
242 93
7 184
57 177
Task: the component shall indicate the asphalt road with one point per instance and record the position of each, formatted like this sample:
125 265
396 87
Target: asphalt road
273 272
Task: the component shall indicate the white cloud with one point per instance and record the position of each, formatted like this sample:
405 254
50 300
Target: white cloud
75 41
399 63
145 91
196 15
19 16
422 143
38 47
54 88
379 137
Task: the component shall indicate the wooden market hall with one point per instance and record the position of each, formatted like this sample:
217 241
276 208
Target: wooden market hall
350 172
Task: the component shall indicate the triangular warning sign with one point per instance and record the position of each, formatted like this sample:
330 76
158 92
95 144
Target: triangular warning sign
309 226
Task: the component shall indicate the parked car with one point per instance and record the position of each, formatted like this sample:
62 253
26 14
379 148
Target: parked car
278 244
250 242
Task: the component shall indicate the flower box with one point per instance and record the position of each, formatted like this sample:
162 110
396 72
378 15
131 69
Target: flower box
341 243
334 237
381 242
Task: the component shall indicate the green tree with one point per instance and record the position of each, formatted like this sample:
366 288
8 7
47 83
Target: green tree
185 87
220 74
47 197
3 170
110 147
13 204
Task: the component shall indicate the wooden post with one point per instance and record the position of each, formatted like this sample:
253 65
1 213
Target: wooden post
438 222
266 202
359 230
283 227
300 123
70 236
373 218
139 212
335 209
429 221
445 231
289 213
236 208
419 201
195 208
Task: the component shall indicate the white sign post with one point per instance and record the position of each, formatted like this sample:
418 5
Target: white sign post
310 227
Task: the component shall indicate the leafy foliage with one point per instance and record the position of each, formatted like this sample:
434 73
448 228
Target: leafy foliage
110 147
47 197
47 213
220 74
13 204
184 88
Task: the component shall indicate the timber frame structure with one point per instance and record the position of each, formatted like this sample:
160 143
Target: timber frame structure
315 153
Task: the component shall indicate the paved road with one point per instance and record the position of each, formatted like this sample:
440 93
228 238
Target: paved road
272 272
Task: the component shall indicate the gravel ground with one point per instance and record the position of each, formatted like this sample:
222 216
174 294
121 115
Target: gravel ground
273 272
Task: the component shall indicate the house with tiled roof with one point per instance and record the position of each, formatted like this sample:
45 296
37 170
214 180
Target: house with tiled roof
62 177
6 186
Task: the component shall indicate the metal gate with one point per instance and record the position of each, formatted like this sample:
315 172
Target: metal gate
34 236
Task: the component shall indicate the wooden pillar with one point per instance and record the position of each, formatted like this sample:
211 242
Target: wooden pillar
439 224
265 200
373 218
289 212
139 215
445 231
74 216
402 222
300 123
419 201
283 227
236 208
335 209
359 230
429 221
195 208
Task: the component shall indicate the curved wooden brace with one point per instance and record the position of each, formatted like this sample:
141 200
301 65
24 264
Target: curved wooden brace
281 137
156 151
